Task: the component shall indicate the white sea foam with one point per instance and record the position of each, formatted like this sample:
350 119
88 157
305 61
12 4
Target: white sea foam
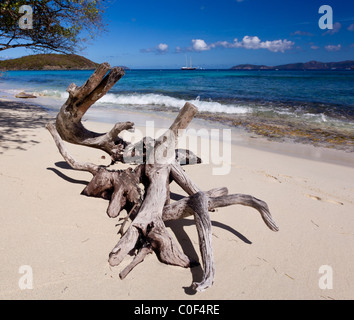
53 94
160 100
152 99
319 118
63 95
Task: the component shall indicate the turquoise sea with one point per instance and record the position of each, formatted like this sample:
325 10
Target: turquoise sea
306 106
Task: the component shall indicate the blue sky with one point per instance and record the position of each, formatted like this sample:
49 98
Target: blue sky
220 33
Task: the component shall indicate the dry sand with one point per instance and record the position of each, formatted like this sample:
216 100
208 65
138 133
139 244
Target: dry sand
65 238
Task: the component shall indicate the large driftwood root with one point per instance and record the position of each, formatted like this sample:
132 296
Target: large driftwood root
149 206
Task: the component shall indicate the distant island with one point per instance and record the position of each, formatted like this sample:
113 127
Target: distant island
49 62
311 65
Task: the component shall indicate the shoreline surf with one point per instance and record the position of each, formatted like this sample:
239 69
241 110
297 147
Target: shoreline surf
311 108
240 136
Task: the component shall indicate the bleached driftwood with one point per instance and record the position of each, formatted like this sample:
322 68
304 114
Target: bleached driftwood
148 206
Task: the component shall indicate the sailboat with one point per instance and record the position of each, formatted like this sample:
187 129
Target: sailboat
190 65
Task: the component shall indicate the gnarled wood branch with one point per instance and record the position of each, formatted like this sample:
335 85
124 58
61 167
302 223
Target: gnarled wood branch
70 128
121 188
68 120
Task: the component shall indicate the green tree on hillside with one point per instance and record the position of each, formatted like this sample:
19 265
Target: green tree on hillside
57 25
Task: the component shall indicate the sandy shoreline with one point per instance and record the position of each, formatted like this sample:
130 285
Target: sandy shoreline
65 237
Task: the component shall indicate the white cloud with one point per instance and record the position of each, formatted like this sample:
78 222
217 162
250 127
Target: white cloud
199 45
277 45
313 47
162 47
332 48
159 49
248 42
351 27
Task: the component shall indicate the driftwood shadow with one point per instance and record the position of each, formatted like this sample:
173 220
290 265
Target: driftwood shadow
177 227
63 165
66 178
176 196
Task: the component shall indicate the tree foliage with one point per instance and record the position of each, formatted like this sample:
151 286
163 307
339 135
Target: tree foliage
57 25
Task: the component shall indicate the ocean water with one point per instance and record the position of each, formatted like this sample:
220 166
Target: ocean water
306 106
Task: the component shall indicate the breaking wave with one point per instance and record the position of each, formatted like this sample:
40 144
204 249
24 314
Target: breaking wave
157 100
153 99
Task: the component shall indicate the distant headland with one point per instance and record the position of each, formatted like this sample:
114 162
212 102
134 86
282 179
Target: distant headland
311 65
49 62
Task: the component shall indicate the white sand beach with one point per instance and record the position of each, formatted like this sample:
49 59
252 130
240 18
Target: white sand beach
65 237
